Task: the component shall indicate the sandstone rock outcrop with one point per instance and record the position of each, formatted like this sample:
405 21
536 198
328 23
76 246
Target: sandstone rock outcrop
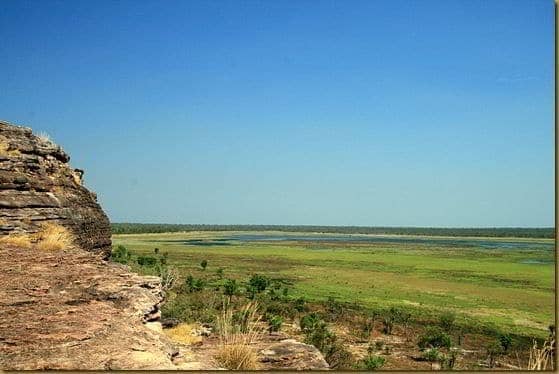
37 186
68 309
293 355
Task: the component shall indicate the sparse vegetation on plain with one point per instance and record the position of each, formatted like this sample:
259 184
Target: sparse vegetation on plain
421 298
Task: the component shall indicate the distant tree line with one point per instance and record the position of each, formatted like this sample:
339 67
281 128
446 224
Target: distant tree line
520 232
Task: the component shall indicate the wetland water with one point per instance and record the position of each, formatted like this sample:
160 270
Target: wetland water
501 244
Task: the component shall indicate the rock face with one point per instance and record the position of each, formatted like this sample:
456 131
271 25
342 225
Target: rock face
293 355
69 309
37 185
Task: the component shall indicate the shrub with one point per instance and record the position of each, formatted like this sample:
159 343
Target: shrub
204 264
309 321
146 261
317 333
446 320
193 284
121 255
372 362
431 355
434 337
274 323
506 342
192 307
280 308
168 277
392 316
299 305
230 287
258 283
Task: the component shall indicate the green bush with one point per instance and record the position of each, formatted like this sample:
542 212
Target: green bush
431 355
274 323
280 308
204 264
434 337
121 255
230 287
372 362
193 284
146 261
506 342
309 322
391 317
219 273
258 283
299 305
446 320
192 307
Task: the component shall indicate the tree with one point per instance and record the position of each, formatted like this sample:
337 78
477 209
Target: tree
230 287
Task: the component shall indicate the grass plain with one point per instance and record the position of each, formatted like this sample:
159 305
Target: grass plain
511 290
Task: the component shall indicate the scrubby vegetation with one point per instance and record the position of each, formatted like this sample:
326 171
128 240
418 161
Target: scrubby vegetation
215 292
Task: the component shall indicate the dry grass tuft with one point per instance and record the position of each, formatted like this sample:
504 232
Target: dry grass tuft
235 351
53 237
43 136
183 333
16 240
542 358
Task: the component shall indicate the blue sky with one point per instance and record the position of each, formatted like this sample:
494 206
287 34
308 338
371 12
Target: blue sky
394 113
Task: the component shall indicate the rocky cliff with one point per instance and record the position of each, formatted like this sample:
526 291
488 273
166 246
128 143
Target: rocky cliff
37 186
66 308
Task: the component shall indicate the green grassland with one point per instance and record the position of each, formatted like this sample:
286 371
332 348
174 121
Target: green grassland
495 288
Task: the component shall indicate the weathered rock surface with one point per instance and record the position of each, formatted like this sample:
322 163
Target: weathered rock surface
294 355
68 309
37 185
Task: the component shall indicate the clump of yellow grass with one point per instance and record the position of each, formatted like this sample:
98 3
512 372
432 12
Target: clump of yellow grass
50 237
235 351
183 333
53 237
16 240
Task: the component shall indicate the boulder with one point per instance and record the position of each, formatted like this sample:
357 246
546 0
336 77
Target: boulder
37 185
294 355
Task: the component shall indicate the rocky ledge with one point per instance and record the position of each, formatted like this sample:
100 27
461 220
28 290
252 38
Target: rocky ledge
70 310
37 185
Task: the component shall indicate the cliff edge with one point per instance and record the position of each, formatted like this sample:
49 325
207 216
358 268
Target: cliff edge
62 306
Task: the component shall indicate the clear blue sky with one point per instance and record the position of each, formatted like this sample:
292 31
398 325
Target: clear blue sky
401 113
